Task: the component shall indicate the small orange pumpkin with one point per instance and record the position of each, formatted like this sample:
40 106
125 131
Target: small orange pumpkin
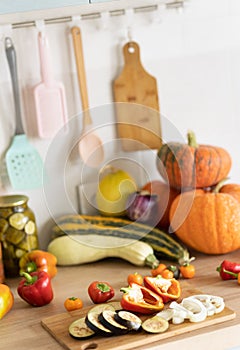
208 221
166 195
233 189
189 166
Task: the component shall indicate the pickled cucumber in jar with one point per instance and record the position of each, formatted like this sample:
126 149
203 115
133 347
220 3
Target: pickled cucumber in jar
18 231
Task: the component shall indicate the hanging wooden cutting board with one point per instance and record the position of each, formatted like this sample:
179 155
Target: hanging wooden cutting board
138 116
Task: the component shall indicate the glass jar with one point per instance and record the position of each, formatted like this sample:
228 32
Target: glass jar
2 275
18 231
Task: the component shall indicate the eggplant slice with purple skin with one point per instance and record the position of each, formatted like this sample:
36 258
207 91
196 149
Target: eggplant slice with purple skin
107 319
79 330
155 324
128 319
95 325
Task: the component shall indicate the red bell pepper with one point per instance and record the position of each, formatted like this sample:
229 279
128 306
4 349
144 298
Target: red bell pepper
229 266
35 288
140 299
168 289
100 292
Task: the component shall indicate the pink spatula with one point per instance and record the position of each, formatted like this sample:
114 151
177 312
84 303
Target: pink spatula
49 95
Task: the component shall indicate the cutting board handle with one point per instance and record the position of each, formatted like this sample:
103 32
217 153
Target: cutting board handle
131 52
45 59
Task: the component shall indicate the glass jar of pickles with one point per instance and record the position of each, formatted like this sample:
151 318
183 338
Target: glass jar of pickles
18 231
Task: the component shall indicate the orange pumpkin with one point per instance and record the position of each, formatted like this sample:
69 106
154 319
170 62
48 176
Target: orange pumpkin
233 189
166 195
189 166
207 221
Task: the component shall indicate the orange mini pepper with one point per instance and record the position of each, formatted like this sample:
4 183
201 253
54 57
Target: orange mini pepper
135 278
73 303
187 269
6 300
158 270
38 260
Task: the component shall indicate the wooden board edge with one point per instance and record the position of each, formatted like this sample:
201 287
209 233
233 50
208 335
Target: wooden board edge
144 337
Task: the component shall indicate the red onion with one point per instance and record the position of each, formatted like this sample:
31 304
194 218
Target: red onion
142 206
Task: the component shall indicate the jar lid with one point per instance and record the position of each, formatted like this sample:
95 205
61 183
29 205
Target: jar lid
12 200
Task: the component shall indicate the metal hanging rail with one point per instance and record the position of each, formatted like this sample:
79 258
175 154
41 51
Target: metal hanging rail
175 4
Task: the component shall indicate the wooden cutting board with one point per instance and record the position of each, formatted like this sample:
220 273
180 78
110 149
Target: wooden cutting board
138 111
57 326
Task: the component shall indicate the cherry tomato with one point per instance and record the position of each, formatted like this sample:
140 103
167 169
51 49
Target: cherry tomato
187 271
158 270
73 303
166 273
135 278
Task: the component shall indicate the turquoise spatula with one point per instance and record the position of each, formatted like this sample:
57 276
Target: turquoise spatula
24 164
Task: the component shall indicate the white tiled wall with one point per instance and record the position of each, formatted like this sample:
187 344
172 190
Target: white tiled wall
195 56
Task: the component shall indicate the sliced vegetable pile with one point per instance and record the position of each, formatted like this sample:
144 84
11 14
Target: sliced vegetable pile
109 319
149 303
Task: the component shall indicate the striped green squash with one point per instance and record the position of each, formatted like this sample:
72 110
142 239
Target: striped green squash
164 245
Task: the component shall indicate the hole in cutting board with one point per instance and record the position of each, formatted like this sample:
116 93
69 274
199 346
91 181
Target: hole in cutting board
131 49
90 346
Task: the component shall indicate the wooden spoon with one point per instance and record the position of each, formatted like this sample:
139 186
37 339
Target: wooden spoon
90 146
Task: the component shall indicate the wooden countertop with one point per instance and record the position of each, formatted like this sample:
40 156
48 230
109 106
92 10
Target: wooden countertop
21 328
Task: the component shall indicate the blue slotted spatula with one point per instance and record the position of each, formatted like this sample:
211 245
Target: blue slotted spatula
24 164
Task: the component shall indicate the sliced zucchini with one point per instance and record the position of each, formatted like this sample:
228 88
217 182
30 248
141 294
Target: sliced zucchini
95 325
128 319
155 324
108 320
79 330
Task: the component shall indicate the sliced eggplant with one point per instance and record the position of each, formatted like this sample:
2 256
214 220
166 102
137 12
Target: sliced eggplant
155 324
116 305
128 319
79 329
100 307
95 325
107 318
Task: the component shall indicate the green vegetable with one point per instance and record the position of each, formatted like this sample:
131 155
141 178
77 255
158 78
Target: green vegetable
163 244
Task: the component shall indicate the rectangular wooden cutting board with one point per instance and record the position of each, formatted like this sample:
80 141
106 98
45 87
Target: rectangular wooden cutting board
137 110
57 326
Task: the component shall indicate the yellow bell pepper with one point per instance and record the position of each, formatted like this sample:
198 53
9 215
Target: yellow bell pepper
6 299
38 260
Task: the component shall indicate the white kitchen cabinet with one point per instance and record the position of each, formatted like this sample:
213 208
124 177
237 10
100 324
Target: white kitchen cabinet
27 5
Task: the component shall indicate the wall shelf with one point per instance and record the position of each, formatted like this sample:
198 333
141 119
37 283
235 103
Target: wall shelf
63 13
